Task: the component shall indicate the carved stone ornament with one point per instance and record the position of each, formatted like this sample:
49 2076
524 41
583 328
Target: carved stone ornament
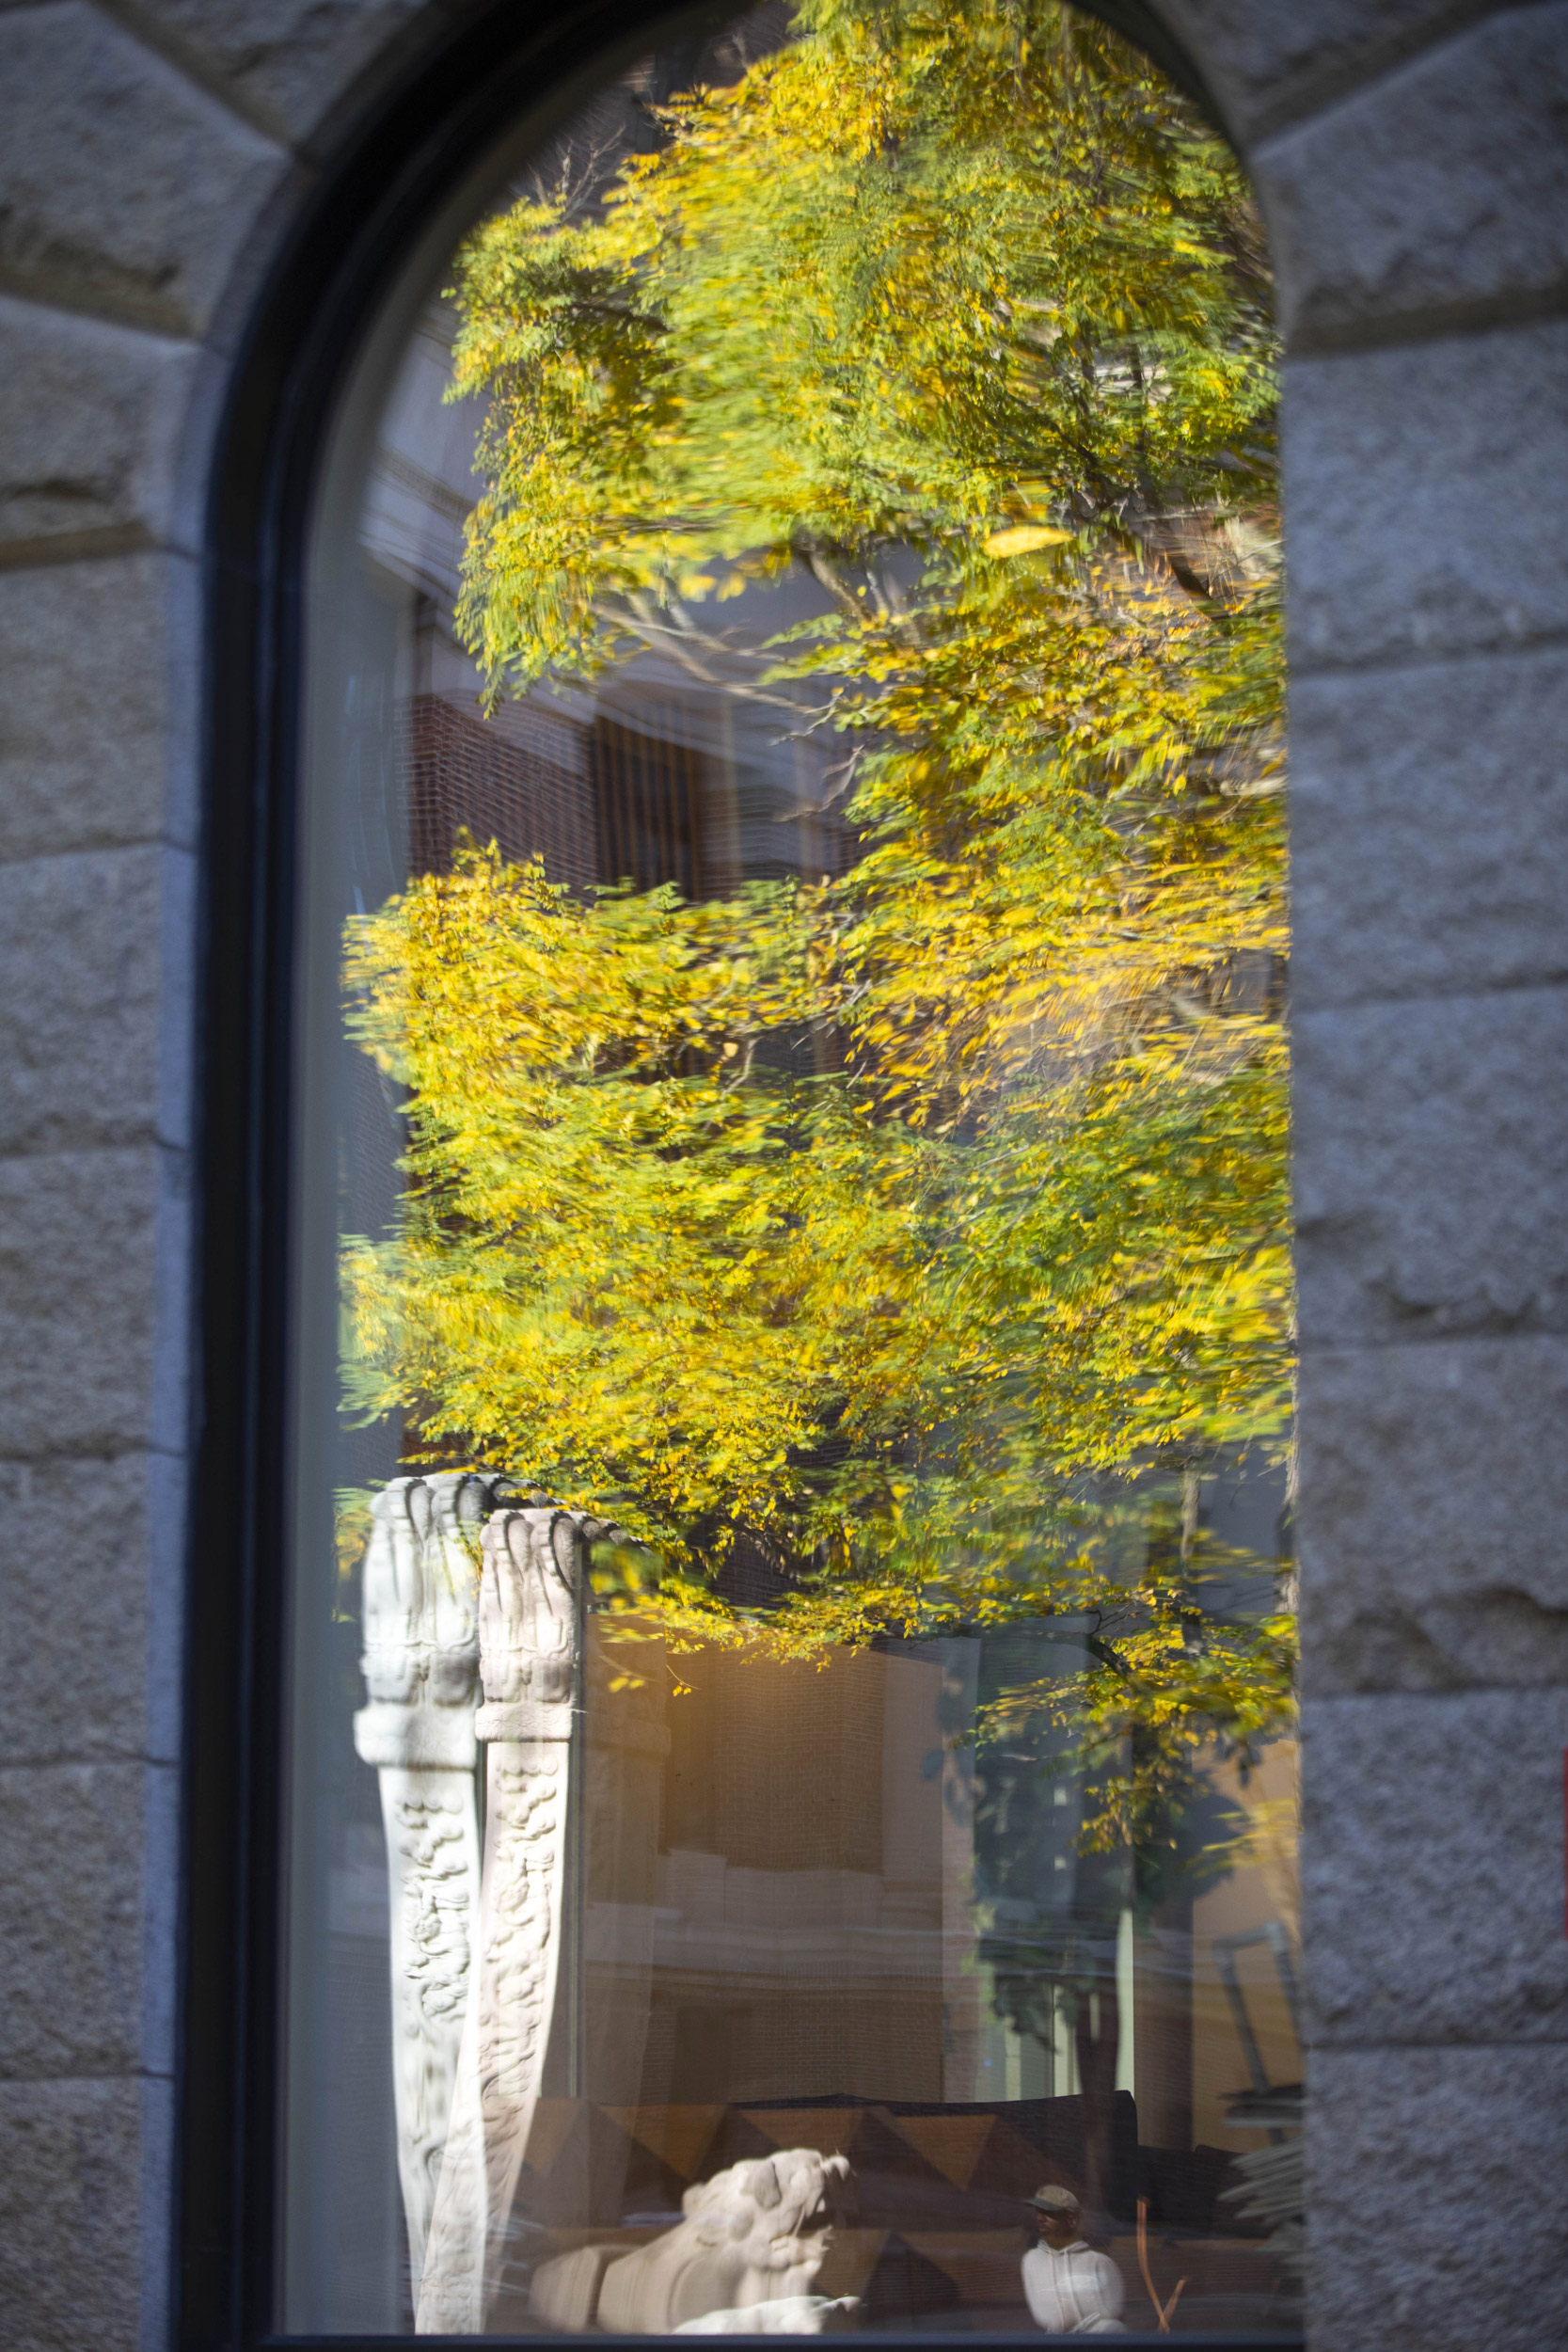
420 1665
532 1593
789 2315
753 2242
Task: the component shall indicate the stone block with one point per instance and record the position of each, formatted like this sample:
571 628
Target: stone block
82 2191
96 1029
1434 2188
90 435
1432 1867
98 719
93 1287
1268 64
1424 498
90 1637
282 62
1433 1499
124 190
1431 1182
87 1946
1440 193
1428 825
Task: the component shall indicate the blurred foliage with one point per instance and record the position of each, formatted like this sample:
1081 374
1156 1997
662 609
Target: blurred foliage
887 1222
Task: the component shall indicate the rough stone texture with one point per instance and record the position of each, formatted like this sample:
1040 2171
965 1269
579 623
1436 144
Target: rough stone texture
87 2165
87 1948
123 190
1434 1796
1429 822
1402 204
94 949
133 216
1434 2182
89 437
281 62
1434 1493
98 720
1269 63
1429 1166
1424 498
93 1264
143 181
89 1631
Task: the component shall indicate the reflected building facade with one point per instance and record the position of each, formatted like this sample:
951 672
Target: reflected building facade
557 1964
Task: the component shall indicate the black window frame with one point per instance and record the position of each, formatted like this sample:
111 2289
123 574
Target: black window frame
387 174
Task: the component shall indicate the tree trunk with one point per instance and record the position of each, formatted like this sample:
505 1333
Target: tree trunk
1097 2082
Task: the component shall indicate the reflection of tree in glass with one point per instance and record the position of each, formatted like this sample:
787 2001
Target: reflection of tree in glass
959 308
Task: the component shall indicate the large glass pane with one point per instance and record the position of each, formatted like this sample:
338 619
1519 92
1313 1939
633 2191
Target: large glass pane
792 1794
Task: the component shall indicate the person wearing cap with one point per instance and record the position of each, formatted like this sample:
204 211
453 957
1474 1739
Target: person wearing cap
1071 2290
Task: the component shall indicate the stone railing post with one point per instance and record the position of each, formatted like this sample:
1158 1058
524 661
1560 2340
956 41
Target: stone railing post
421 1671
534 1593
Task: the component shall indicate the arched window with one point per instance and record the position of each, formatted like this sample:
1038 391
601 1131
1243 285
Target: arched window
782 1816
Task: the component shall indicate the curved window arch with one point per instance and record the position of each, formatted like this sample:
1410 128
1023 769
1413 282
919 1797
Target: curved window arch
771 1344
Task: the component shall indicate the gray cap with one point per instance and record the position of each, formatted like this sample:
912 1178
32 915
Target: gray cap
1052 2198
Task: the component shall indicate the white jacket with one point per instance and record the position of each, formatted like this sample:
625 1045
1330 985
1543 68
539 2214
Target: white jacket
1075 2291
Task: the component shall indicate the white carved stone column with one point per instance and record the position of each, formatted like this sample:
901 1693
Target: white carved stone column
421 1670
532 1596
624 1756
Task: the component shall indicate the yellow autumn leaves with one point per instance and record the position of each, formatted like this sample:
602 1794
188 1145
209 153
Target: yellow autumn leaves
886 1221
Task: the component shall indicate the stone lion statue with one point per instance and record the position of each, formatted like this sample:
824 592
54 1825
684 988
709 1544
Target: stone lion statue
790 2315
756 2233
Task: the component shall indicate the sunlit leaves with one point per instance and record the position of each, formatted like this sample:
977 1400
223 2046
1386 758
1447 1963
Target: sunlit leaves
888 1222
928 273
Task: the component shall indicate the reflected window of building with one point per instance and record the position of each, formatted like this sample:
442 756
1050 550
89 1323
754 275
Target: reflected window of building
792 1776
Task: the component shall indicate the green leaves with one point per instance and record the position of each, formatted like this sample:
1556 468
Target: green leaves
909 282
957 309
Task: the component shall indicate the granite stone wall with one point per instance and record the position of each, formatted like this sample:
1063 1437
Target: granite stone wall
1412 157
